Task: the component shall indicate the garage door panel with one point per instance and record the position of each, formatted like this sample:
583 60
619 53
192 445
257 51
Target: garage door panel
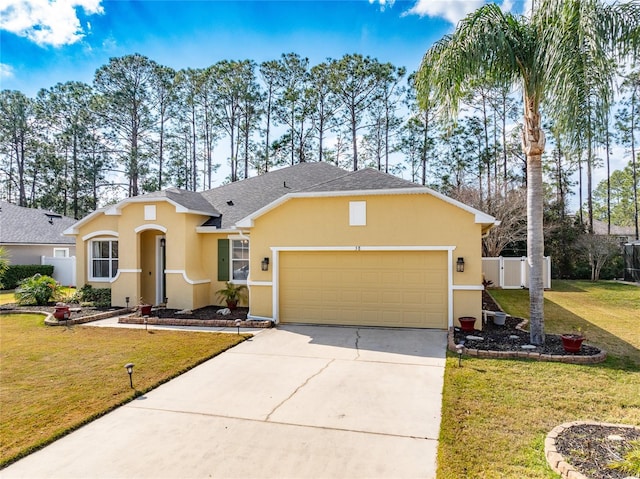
390 288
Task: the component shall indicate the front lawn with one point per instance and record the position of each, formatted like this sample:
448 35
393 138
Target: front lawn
54 379
497 413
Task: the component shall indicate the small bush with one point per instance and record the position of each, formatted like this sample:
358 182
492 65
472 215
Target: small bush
17 272
38 290
88 295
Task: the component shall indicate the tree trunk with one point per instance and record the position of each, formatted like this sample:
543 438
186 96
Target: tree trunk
533 143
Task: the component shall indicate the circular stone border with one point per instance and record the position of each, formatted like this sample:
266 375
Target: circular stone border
492 354
556 460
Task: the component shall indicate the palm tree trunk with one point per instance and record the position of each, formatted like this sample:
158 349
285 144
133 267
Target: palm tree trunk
533 143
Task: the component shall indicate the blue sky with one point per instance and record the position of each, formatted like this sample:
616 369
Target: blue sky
44 42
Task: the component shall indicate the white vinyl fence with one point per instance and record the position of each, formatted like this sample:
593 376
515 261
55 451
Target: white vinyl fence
513 273
64 269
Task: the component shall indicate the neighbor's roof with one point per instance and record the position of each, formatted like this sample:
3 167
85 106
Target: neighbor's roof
28 226
600 228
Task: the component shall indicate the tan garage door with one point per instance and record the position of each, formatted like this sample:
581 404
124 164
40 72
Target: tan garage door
369 288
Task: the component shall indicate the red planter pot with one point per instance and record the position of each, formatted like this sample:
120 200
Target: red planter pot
467 323
61 312
232 304
572 342
145 309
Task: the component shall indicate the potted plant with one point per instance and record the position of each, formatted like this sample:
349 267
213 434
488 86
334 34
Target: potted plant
467 323
232 293
572 342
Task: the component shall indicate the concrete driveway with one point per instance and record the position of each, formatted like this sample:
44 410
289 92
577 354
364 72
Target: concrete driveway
293 402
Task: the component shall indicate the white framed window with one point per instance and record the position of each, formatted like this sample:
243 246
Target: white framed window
103 259
60 252
239 260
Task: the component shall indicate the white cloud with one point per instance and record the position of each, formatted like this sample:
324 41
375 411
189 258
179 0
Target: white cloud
451 10
46 22
6 71
383 3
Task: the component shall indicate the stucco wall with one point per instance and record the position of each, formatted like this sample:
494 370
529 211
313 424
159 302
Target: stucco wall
391 220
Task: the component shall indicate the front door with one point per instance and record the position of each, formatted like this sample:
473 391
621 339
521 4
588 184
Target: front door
161 277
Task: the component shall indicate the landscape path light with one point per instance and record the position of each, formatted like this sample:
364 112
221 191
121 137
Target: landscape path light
460 347
129 368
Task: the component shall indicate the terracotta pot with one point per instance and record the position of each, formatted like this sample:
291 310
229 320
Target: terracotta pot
467 323
572 342
61 312
145 309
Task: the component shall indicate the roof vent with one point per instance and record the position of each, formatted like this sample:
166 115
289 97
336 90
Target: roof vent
285 184
230 203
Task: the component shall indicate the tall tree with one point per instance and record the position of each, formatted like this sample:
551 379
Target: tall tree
355 80
293 105
269 71
17 134
544 55
325 105
128 112
628 123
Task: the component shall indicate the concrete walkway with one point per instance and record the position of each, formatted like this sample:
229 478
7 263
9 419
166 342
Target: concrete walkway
293 402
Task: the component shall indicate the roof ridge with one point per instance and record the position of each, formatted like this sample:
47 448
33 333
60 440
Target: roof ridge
346 173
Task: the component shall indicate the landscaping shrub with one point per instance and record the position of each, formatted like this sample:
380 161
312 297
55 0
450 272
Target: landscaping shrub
100 297
38 290
17 272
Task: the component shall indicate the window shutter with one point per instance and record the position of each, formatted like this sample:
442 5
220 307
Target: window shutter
223 260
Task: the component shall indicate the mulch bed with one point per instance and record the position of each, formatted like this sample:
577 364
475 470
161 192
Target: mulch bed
85 311
208 312
511 338
591 448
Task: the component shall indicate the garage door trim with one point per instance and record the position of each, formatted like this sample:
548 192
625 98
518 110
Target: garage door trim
276 268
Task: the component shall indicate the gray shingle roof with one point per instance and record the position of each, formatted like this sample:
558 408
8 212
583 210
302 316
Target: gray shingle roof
248 196
367 179
190 200
19 225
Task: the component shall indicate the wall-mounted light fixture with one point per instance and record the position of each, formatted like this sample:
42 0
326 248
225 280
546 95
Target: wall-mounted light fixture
460 265
265 264
163 242
129 368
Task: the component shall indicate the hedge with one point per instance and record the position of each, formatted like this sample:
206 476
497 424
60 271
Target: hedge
18 272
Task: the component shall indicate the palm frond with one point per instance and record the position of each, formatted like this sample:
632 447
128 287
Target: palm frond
488 45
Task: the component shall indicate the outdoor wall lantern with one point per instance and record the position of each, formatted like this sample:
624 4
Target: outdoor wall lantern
265 264
129 367
460 265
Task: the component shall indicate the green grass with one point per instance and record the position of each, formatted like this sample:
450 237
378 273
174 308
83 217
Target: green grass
7 297
496 413
55 379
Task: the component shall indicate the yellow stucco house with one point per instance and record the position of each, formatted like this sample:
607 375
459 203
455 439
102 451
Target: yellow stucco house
312 242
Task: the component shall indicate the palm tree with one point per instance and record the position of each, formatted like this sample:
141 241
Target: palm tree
560 57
